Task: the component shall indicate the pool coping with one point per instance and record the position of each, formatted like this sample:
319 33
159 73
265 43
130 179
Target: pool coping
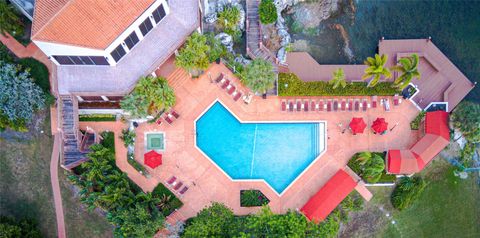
325 137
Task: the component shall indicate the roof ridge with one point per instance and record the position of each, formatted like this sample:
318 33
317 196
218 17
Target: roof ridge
53 17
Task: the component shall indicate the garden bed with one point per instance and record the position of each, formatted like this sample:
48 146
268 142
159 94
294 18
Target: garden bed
97 117
415 124
252 198
137 166
165 194
361 169
290 85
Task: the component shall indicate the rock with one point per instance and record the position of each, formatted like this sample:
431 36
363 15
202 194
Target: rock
282 55
311 15
240 59
211 18
226 40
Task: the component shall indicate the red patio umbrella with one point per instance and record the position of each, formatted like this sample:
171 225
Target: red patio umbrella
152 159
357 125
379 125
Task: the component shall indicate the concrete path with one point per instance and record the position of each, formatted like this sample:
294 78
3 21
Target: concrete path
57 196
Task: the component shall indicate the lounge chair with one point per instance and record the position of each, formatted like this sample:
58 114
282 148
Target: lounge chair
237 96
396 100
284 105
305 105
342 105
177 186
225 84
247 98
321 105
168 119
313 106
335 105
220 78
357 105
374 101
231 90
329 105
291 106
184 189
171 180
159 121
175 114
299 105
350 104
386 104
364 107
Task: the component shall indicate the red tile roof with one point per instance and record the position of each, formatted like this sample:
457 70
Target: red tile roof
437 137
329 196
85 23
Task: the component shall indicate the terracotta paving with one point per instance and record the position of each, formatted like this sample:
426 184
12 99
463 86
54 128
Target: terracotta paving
207 183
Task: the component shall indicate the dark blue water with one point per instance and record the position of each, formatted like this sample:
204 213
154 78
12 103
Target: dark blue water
275 152
453 25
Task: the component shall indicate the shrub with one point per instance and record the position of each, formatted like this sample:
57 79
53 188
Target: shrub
297 87
407 191
228 20
466 117
128 137
267 12
252 198
194 53
11 228
415 124
370 166
108 140
97 117
174 203
19 97
9 20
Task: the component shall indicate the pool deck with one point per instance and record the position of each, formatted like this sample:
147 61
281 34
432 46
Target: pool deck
207 183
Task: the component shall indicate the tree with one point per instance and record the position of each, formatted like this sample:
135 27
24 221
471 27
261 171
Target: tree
267 224
11 228
466 117
194 54
136 221
228 20
368 165
217 49
9 20
150 96
259 76
338 79
267 12
407 191
213 221
409 69
20 97
376 69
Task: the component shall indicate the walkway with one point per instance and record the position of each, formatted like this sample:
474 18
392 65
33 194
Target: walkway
57 195
208 183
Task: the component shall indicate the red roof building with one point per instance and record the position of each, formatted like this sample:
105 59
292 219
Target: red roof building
329 196
436 138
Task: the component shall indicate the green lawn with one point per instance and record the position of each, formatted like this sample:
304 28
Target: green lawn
449 207
25 189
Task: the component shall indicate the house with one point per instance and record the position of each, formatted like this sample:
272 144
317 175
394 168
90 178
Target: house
101 48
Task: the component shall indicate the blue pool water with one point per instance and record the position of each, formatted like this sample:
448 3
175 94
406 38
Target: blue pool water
275 152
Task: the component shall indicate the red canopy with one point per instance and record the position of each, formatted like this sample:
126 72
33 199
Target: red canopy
357 125
329 196
379 125
152 159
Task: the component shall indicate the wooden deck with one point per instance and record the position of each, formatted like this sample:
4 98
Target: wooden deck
441 80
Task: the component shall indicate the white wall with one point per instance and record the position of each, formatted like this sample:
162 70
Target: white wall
61 49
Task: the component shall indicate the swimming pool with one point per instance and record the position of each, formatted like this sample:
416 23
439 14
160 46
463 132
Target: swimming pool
275 152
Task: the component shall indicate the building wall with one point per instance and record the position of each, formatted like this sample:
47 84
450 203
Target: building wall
63 49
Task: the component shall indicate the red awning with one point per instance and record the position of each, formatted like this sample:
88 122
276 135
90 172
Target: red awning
403 162
379 125
329 196
357 125
152 159
437 123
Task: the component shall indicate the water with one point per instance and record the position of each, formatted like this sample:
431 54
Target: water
453 26
275 152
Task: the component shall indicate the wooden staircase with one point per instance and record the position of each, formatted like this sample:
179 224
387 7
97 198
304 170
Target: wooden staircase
72 156
255 47
178 78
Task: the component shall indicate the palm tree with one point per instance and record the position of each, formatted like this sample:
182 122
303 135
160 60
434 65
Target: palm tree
338 79
99 163
148 199
364 157
376 69
259 76
409 69
164 203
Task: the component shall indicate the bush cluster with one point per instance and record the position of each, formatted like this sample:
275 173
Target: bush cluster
267 12
370 166
407 191
415 124
290 85
252 198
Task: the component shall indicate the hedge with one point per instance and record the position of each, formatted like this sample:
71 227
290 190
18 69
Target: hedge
297 87
97 117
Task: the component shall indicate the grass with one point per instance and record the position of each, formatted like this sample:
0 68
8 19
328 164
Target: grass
448 207
25 189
